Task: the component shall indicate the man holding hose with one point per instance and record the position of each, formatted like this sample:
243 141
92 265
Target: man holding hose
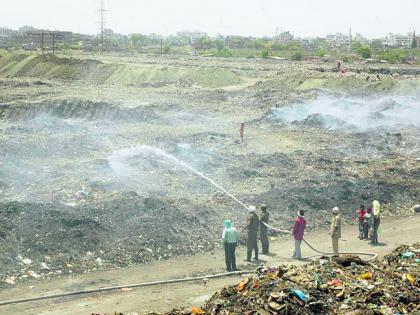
264 217
252 228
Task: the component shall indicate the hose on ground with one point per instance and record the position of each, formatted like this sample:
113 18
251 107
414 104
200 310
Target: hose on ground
371 255
128 286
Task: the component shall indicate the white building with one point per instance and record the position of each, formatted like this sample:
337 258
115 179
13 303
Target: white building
398 40
338 39
359 38
6 32
189 37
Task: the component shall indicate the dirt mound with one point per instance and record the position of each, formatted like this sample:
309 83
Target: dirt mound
127 74
118 231
76 109
47 66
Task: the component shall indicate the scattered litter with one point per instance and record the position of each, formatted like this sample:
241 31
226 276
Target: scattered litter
33 274
10 280
26 261
300 295
44 266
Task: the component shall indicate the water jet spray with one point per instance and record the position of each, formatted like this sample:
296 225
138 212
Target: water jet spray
118 160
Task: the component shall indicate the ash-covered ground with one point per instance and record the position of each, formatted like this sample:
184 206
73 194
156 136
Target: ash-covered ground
96 153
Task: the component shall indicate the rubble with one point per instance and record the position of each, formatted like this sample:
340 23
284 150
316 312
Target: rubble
385 286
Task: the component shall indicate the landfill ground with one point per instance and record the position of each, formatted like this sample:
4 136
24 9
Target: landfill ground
163 298
98 153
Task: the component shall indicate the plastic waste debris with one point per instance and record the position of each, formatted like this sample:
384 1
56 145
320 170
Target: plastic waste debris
408 255
302 296
367 276
197 310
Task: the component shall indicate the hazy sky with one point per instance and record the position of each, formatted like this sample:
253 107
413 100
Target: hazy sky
373 18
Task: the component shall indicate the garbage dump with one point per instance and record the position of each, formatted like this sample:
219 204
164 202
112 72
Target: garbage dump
348 285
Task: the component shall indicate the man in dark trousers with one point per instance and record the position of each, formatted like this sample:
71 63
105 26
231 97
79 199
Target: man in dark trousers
263 229
252 227
230 239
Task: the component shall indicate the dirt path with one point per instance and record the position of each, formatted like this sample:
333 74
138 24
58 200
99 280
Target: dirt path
164 297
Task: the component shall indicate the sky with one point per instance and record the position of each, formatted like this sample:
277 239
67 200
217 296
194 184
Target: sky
304 18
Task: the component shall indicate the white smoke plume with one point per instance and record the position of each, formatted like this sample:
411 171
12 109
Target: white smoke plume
351 113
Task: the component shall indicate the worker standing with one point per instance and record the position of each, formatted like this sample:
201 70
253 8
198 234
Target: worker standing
366 226
361 213
376 221
241 131
298 231
265 216
252 227
335 231
369 219
230 240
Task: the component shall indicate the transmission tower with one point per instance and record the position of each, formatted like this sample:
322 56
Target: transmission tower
102 23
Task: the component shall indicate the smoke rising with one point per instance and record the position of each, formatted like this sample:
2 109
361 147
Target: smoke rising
352 113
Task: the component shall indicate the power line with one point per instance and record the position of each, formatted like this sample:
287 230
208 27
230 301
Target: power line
102 23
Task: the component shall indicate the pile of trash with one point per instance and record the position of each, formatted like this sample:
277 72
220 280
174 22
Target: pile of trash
346 285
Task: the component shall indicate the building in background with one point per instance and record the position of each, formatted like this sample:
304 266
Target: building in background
338 40
30 38
189 37
398 40
285 37
361 39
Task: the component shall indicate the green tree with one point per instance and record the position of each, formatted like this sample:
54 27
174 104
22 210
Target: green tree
264 53
377 44
355 45
138 39
393 55
220 44
365 51
204 42
297 55
260 43
224 52
166 48
321 52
